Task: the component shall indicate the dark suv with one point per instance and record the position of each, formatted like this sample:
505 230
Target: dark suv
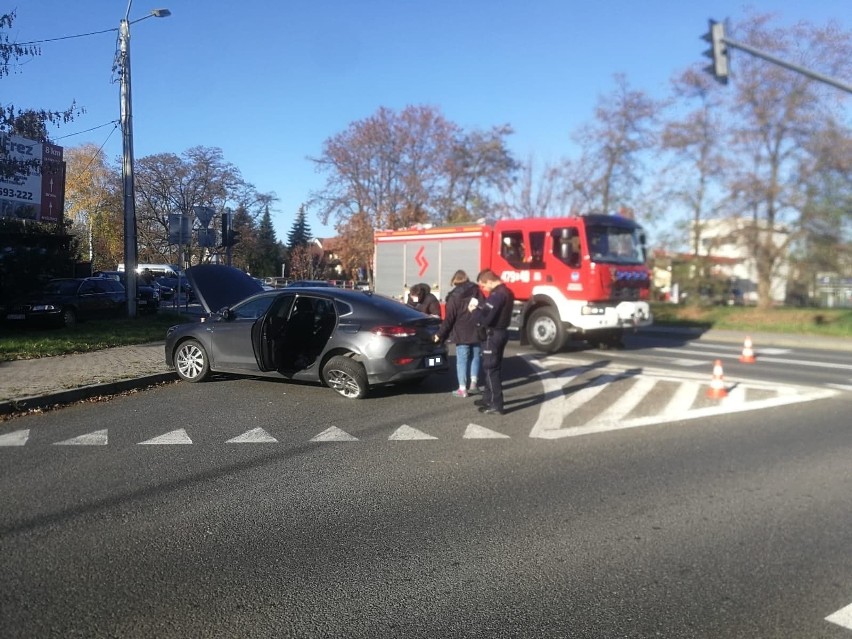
63 302
147 296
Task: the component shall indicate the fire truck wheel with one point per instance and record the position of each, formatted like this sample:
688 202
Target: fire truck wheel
545 330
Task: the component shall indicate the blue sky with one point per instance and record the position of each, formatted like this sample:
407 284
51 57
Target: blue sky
268 82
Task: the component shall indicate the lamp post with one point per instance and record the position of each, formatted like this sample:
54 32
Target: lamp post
130 240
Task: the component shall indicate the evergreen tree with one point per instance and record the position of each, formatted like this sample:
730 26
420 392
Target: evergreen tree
300 232
269 252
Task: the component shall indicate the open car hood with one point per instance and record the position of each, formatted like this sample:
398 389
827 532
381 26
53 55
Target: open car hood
217 286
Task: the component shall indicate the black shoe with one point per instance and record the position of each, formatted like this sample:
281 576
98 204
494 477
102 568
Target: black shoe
490 410
480 402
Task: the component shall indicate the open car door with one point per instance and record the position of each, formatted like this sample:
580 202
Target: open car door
268 334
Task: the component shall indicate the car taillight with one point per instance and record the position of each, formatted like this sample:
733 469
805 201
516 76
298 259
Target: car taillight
394 331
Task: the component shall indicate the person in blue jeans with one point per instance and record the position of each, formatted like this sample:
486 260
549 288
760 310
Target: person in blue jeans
459 327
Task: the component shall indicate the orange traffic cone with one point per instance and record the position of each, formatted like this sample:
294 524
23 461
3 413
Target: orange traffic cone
717 388
748 353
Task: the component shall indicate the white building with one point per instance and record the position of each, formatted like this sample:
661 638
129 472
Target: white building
728 238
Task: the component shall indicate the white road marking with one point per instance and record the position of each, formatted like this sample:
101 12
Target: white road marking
334 434
629 400
97 438
772 360
682 400
558 405
17 438
475 431
843 387
406 432
178 436
254 436
681 361
842 617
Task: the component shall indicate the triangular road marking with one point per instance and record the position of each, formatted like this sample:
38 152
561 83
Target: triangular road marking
334 434
18 438
842 617
475 431
97 438
406 432
254 436
178 436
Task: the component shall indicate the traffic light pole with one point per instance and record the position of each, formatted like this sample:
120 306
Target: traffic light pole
733 44
718 53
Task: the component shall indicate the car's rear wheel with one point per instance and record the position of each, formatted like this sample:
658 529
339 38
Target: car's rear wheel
69 317
191 361
346 376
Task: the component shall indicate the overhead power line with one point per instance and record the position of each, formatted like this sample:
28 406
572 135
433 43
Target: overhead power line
80 35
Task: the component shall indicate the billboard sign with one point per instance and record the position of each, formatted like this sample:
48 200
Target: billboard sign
35 190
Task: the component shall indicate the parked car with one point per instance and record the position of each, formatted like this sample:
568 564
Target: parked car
311 283
147 296
346 339
64 302
264 285
175 284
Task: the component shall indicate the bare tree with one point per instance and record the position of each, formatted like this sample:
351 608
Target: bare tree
609 172
779 114
538 192
168 184
695 142
394 170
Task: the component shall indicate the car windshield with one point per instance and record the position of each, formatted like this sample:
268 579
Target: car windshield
615 244
61 287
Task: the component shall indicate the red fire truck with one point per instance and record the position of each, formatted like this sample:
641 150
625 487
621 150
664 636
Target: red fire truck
573 278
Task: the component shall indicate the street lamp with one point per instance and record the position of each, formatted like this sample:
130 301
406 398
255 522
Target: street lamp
130 240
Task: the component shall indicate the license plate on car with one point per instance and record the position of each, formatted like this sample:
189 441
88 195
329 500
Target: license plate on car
16 316
432 362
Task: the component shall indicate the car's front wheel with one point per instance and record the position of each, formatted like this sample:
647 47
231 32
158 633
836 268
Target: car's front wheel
346 376
191 361
545 330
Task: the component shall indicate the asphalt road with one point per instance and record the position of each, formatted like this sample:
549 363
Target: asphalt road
615 500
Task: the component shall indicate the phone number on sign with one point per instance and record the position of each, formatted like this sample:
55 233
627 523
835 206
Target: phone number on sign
15 193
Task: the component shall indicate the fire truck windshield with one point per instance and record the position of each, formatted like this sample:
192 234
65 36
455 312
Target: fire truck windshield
615 244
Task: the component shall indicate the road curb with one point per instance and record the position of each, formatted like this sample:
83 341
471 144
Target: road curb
13 406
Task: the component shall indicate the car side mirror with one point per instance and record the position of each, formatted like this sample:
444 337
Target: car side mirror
225 313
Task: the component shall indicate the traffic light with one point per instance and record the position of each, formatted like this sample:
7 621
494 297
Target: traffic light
226 228
718 51
229 235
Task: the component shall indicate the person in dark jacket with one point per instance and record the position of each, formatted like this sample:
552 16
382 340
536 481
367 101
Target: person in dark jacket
493 315
420 296
459 327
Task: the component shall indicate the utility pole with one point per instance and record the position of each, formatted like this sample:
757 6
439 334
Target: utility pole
131 245
130 239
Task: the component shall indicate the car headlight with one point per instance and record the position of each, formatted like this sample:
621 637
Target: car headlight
41 308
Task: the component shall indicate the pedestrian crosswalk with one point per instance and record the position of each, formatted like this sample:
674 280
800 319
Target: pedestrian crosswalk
566 397
630 398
